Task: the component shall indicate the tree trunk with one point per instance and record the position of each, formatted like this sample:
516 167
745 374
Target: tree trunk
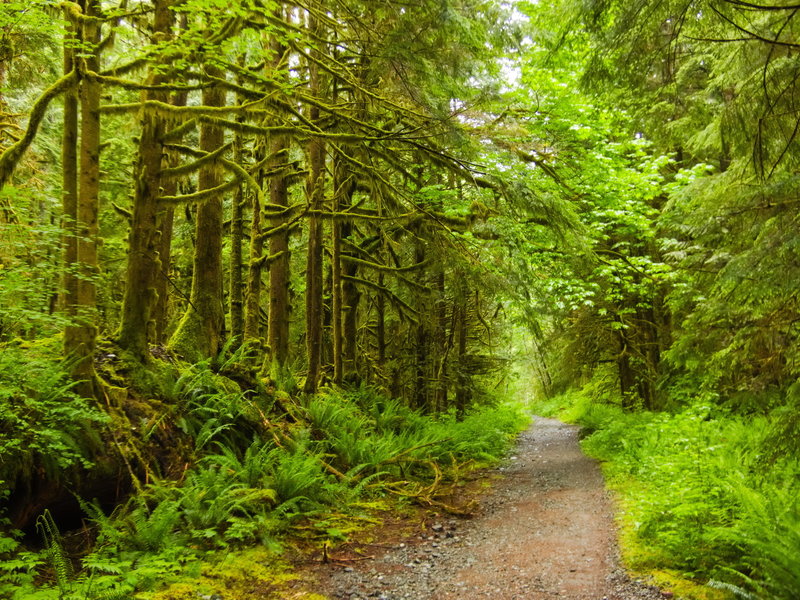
138 325
314 266
237 237
69 178
350 299
441 343
252 301
344 299
166 224
81 338
166 221
280 269
463 394
336 291
200 333
315 187
380 326
627 379
421 342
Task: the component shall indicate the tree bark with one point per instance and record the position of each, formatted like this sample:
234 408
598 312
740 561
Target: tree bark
252 301
343 192
336 296
441 343
314 266
237 236
315 186
200 333
380 325
138 325
462 378
421 343
81 339
280 269
69 179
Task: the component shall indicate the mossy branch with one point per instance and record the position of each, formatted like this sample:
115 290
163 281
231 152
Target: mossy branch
326 214
123 212
137 63
74 13
201 195
399 303
196 165
266 260
167 109
135 85
289 227
178 132
379 267
277 211
12 155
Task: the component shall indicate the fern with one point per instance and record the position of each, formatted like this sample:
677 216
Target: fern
769 534
45 428
59 561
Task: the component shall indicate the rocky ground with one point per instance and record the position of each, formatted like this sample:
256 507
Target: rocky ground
545 531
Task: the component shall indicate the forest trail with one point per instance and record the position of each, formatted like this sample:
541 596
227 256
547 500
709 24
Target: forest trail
545 531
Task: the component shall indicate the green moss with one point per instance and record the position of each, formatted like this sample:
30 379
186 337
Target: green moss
685 589
255 574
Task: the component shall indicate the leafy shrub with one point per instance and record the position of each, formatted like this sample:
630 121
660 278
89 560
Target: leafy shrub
30 271
45 427
249 483
365 430
700 496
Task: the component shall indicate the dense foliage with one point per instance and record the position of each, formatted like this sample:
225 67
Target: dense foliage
259 258
341 458
703 498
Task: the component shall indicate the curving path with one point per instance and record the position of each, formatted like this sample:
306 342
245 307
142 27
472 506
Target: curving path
546 531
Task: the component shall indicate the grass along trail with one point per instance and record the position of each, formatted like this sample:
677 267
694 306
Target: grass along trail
545 531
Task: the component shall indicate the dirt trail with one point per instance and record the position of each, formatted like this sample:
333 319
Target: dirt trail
546 531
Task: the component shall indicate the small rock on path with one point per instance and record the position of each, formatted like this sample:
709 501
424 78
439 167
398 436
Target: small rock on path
546 531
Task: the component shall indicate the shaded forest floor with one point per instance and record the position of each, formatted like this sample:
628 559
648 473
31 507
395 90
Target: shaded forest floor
544 530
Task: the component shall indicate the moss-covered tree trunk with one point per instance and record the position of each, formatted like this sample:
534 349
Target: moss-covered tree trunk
166 223
421 340
252 301
315 187
138 321
441 343
69 181
166 226
80 340
236 292
342 186
463 393
280 269
200 333
380 323
351 297
314 266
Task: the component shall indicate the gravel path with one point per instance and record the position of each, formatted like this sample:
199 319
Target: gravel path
546 531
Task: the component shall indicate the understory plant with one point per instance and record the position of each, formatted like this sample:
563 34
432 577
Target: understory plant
702 491
45 427
251 481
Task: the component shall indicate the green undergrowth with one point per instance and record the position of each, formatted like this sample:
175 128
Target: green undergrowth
708 505
46 430
261 469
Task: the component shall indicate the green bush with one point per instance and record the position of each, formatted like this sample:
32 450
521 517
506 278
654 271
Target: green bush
45 427
249 481
700 494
